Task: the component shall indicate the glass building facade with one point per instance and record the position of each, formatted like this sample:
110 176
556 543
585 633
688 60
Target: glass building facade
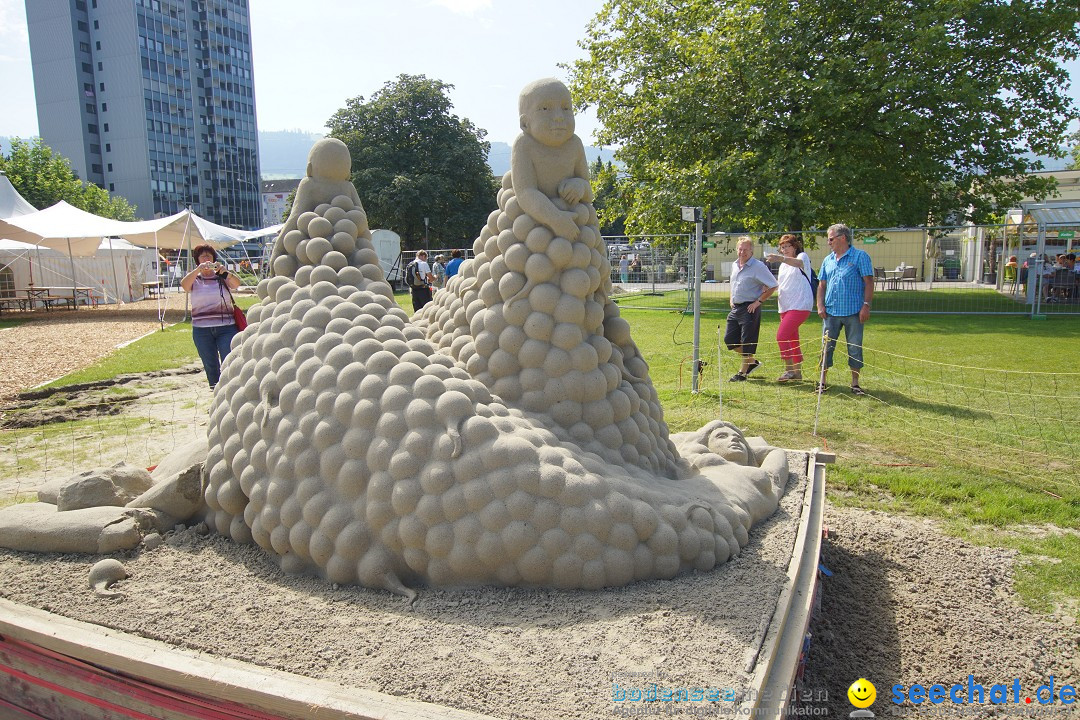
153 100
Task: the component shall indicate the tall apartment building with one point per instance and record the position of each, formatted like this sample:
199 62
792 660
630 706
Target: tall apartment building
153 100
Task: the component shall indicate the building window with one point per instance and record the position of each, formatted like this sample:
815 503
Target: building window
95 169
84 47
80 5
101 87
110 167
87 68
99 67
91 108
97 45
106 127
112 188
92 129
95 149
104 107
83 26
108 147
96 25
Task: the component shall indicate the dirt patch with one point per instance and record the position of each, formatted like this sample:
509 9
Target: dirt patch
908 604
35 408
94 427
46 345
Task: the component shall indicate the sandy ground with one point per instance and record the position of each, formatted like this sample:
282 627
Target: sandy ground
908 604
506 652
905 604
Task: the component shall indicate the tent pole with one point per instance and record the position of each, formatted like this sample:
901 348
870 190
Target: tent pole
187 237
112 264
74 284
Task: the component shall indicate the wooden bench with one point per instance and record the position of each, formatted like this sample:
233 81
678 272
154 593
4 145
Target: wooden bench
51 301
10 303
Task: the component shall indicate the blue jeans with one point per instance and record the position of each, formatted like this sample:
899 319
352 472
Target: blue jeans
853 332
213 345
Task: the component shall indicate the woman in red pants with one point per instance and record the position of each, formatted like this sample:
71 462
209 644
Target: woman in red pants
796 300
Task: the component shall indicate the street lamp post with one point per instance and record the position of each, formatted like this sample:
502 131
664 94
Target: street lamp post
427 246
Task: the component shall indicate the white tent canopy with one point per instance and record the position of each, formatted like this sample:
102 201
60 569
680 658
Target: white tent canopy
68 228
12 204
114 273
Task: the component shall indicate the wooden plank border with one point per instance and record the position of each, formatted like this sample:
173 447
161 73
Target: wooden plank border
204 678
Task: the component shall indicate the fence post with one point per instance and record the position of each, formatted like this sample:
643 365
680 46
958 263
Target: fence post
697 300
821 379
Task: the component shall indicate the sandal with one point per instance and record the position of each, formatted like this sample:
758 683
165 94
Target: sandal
789 376
856 390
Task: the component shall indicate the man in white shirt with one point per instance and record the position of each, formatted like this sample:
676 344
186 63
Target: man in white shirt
751 284
421 294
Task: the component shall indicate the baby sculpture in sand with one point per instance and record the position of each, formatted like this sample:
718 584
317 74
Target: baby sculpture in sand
508 434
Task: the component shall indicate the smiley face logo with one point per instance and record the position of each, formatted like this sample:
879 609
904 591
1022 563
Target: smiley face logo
862 693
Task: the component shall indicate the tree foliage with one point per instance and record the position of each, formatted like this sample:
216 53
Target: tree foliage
413 158
794 115
45 177
608 197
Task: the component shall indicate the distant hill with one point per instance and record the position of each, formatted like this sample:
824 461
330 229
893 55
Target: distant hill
283 154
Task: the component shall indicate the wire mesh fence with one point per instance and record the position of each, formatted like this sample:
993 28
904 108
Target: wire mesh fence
984 269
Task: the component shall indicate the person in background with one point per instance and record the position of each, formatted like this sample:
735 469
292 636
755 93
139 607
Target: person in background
751 284
421 294
454 264
624 269
438 271
212 323
795 300
845 290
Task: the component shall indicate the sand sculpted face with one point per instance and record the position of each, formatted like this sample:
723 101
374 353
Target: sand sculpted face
507 434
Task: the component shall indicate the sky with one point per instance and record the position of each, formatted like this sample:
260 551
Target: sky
312 56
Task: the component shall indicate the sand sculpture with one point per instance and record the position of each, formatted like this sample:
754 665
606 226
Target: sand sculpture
507 434
106 573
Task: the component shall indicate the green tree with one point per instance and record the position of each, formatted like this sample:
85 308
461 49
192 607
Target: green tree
793 115
413 158
1074 154
607 198
45 177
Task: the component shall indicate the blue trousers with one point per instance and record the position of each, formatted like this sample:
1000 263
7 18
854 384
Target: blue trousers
853 333
213 345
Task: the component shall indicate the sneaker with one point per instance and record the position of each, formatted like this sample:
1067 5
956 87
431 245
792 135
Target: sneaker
821 388
737 377
856 390
753 366
789 376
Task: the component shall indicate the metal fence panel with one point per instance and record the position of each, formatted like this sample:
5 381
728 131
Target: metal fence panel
949 270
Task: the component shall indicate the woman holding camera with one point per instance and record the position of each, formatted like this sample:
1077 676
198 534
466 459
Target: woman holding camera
212 322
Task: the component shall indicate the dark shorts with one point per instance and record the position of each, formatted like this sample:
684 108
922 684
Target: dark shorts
743 328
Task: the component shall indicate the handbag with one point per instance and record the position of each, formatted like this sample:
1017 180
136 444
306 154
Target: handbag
239 317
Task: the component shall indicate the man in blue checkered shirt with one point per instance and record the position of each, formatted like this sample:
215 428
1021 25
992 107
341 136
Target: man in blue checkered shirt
845 291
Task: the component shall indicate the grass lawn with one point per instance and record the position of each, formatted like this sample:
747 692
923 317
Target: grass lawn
970 419
161 350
